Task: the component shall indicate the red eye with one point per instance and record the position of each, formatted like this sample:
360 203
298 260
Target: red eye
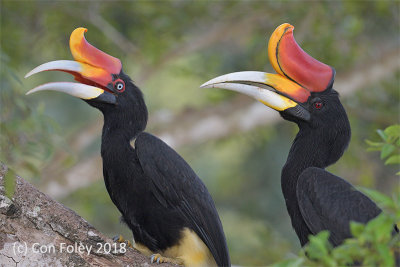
119 85
318 105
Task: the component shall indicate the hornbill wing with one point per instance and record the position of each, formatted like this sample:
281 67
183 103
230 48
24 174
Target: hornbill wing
176 185
327 202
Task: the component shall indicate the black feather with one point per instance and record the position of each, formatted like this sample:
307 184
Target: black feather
316 199
156 191
178 189
327 202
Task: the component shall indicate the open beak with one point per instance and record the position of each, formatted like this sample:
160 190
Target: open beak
92 68
272 90
298 75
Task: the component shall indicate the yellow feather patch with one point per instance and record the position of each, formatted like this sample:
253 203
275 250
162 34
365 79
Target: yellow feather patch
190 249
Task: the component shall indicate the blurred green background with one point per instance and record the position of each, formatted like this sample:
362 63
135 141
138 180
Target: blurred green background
235 145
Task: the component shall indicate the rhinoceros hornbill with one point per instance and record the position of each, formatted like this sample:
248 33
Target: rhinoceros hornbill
161 199
302 92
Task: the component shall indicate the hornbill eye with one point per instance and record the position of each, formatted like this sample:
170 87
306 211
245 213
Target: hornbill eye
119 85
318 105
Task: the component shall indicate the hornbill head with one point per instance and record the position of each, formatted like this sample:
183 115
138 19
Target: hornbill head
102 82
301 90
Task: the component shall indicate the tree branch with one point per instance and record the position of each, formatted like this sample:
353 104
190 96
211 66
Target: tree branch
38 231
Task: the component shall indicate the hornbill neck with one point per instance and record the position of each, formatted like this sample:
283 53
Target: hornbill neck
307 150
125 120
312 147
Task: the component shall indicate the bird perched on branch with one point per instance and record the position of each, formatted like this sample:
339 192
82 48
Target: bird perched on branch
161 199
302 92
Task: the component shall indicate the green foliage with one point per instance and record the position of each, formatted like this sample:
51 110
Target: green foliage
372 245
26 138
389 204
389 145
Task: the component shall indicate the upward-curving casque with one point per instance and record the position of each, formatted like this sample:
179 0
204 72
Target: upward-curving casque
161 199
302 91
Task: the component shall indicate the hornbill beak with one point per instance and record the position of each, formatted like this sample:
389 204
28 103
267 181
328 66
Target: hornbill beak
93 69
298 75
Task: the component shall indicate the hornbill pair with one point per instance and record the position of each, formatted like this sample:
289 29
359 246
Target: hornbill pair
161 199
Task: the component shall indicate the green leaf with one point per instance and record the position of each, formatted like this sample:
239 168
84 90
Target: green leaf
356 228
378 197
379 229
318 246
375 144
383 230
395 159
385 254
382 134
393 130
343 253
9 183
374 149
329 262
387 149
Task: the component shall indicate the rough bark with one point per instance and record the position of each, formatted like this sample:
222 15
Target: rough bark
35 230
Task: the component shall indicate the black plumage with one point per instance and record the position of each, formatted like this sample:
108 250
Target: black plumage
302 91
319 191
156 191
161 199
316 199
